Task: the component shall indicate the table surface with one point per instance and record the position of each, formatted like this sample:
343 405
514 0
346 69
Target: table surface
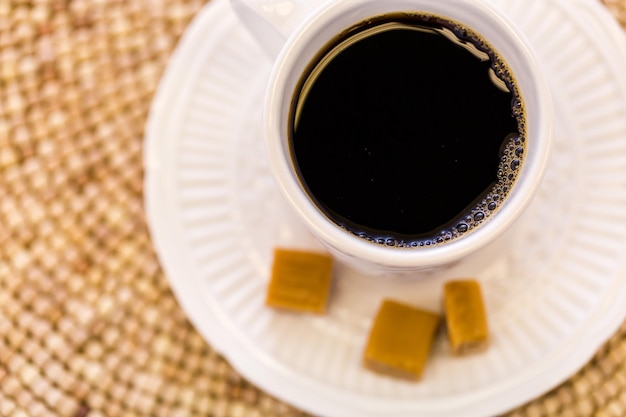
88 324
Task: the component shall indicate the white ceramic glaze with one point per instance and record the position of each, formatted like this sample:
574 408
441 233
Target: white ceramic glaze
271 22
554 296
306 37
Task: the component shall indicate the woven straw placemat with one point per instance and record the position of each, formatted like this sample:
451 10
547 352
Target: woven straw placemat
88 325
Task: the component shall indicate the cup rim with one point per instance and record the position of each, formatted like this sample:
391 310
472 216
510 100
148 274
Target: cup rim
533 89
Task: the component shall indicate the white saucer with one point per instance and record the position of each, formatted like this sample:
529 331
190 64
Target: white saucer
215 216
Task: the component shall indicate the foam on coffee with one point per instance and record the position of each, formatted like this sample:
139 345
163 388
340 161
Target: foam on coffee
318 136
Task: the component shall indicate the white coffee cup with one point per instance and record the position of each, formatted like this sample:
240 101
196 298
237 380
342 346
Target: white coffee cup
294 31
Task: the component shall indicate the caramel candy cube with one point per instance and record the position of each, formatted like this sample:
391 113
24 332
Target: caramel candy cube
466 320
300 281
400 340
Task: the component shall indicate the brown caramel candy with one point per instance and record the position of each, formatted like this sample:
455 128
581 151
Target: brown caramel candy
300 281
466 320
400 340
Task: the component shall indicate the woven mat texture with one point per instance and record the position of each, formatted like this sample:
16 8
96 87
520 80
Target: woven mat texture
88 324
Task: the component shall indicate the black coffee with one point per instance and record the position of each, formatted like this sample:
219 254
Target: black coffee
408 130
